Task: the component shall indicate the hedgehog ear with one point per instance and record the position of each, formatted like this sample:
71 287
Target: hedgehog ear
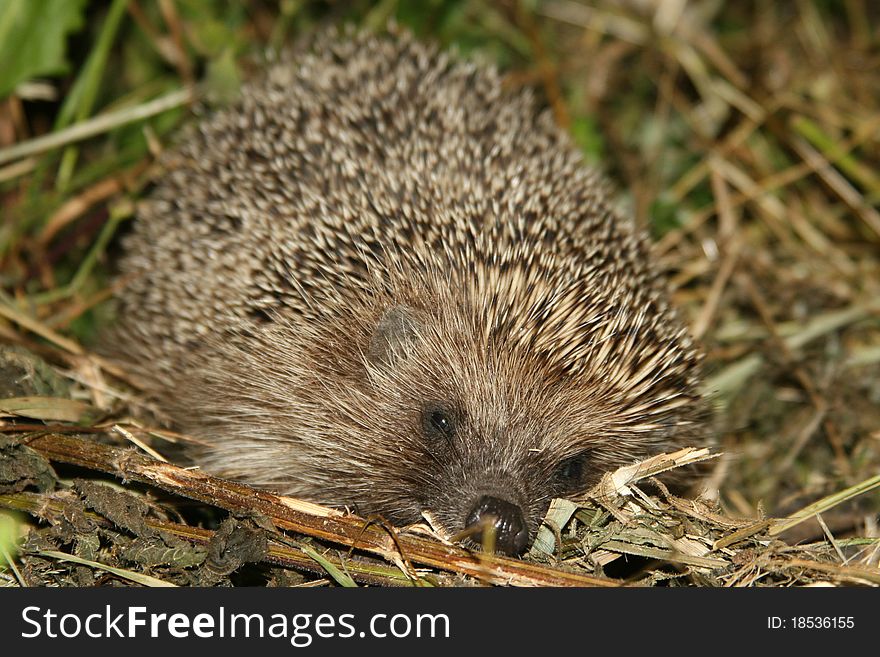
397 329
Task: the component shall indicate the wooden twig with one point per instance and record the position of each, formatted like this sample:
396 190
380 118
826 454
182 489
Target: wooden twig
304 518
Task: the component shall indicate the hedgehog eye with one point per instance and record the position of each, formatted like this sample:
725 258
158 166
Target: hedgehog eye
438 422
572 473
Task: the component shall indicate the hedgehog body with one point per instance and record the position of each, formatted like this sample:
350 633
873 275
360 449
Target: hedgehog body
384 281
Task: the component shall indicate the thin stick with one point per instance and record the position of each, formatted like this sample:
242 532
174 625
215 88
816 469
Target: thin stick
287 513
97 125
823 505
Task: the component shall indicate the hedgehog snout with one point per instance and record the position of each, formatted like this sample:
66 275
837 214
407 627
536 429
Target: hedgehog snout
511 532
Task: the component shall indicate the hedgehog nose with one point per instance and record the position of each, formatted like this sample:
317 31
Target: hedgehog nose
511 535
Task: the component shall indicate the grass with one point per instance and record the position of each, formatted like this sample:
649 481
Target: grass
744 136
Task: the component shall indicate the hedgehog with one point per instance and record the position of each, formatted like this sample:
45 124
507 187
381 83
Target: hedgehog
385 280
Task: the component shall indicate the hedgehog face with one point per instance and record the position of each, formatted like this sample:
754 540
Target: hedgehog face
479 437
484 440
495 472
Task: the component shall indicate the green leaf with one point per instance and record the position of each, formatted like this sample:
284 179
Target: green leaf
10 535
33 37
343 579
587 135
